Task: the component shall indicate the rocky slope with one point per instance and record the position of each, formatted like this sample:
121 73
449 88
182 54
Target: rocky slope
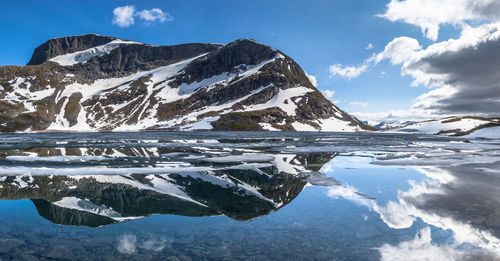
93 83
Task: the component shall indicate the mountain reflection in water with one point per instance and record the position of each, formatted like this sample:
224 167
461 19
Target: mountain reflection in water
447 208
141 181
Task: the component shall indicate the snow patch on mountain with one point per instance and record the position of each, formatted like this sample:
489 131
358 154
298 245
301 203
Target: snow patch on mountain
21 93
85 55
449 126
267 126
193 117
330 124
90 207
226 77
204 124
282 100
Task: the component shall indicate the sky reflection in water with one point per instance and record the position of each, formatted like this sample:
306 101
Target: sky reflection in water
248 196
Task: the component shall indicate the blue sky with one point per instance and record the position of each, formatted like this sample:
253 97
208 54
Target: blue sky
317 34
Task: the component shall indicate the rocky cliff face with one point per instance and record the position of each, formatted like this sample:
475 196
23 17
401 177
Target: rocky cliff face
92 82
64 45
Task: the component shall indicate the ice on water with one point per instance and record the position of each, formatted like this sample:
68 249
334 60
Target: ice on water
444 184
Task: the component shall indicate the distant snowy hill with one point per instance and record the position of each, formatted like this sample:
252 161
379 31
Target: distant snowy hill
456 126
491 133
92 82
387 125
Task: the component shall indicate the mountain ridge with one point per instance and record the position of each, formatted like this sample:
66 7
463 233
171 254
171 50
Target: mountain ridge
103 83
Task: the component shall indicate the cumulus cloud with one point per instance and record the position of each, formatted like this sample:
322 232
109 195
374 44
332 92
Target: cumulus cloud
462 74
124 16
369 46
399 50
328 94
429 15
348 72
154 15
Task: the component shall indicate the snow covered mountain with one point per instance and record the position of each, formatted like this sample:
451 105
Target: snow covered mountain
456 126
92 82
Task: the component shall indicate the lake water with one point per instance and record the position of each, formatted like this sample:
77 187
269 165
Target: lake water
248 196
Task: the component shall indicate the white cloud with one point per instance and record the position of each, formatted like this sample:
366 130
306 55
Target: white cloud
412 204
312 79
155 244
429 15
348 72
328 94
462 74
399 50
358 103
369 46
434 201
124 16
154 15
126 244
351 194
422 248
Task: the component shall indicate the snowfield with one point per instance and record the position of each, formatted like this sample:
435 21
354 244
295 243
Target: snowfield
490 133
453 126
85 55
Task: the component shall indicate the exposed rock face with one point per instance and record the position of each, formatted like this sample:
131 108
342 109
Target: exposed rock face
64 45
92 82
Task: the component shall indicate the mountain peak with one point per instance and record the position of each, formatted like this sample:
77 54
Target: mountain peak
248 42
65 45
95 82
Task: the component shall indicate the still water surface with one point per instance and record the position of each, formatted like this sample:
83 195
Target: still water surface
248 196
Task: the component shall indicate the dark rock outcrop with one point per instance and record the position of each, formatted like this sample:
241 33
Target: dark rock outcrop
64 45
